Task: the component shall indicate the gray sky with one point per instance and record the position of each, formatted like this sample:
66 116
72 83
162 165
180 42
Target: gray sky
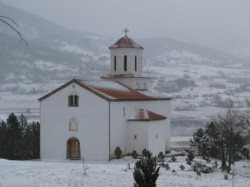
207 22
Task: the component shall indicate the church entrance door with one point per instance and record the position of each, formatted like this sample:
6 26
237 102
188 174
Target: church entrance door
73 149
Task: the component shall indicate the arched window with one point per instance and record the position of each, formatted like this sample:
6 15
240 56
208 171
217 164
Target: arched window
73 125
145 85
125 63
73 100
115 63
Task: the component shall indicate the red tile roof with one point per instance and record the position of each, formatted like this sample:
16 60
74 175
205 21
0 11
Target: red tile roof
125 42
145 115
109 90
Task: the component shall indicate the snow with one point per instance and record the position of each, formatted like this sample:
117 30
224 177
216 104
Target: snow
107 85
43 65
139 114
74 49
154 93
110 174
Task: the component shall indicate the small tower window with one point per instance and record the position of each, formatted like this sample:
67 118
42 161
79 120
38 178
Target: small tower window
138 85
73 125
135 63
124 111
115 63
73 100
125 63
156 136
135 136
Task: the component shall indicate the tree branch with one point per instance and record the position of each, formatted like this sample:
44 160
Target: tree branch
13 28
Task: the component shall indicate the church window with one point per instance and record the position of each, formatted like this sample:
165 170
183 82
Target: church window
125 63
138 85
135 63
115 63
156 136
73 100
135 136
124 111
73 125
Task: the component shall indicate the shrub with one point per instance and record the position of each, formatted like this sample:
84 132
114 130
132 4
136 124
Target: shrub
167 167
118 152
146 171
161 157
207 159
245 152
190 156
188 162
134 154
145 152
173 159
182 167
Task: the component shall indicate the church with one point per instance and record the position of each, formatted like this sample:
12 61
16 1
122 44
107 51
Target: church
91 118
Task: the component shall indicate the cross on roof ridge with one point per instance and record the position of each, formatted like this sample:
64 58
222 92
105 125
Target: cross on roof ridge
126 31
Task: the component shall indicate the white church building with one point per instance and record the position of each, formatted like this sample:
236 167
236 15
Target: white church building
91 118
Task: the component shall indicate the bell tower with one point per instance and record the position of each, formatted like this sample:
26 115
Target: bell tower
126 63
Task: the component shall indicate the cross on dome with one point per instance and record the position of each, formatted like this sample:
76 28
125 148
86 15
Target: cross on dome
126 31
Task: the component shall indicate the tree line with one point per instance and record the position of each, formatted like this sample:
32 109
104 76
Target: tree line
19 140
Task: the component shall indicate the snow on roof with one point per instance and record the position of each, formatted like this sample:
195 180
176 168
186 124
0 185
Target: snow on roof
125 42
129 75
108 90
154 93
145 115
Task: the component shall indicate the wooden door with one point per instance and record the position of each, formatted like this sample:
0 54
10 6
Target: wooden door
74 149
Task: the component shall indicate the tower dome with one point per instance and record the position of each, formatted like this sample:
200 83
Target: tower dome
126 63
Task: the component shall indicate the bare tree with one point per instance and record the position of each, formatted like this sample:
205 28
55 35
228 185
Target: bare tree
12 24
230 131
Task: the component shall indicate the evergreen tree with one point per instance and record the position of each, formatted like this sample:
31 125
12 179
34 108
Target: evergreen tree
14 140
146 171
3 139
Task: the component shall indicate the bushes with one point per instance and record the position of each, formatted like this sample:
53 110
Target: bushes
145 152
173 159
118 152
134 154
245 152
161 157
190 156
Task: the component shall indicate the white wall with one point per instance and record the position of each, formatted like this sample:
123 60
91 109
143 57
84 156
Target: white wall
156 144
150 135
134 82
140 129
93 125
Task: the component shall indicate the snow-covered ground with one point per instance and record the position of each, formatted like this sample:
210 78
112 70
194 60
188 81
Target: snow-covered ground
108 174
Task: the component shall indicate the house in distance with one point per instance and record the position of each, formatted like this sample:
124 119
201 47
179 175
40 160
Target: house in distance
91 118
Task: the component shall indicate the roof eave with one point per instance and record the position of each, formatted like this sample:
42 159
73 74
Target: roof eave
146 120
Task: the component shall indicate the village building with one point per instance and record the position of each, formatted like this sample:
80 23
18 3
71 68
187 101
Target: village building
91 118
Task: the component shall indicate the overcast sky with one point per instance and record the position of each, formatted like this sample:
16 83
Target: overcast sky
206 22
